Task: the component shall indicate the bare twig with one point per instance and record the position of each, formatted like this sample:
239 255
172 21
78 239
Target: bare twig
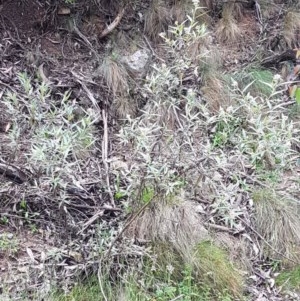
104 156
218 227
88 92
85 40
113 25
100 277
152 50
91 220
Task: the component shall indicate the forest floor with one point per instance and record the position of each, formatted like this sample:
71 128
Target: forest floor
58 210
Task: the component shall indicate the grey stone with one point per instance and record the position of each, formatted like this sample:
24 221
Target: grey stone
137 62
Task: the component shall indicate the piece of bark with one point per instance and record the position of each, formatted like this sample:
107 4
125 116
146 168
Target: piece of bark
13 174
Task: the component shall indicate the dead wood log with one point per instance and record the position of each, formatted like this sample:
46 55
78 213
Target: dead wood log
276 59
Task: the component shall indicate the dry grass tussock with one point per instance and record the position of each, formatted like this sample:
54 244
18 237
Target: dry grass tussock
180 239
233 9
237 249
157 19
198 49
115 75
214 93
291 28
176 223
209 4
277 221
179 9
117 79
213 85
227 30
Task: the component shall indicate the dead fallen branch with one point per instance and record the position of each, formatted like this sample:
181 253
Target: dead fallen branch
113 25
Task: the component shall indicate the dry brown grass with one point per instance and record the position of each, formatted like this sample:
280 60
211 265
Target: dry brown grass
214 93
227 30
277 221
175 223
116 77
237 249
268 7
233 10
180 239
291 28
157 19
214 87
199 52
209 4
181 9
125 106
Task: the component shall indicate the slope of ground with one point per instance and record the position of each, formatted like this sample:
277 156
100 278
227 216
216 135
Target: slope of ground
158 183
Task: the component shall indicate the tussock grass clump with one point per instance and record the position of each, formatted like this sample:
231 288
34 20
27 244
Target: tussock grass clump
176 224
268 7
233 9
215 270
227 30
215 94
179 9
182 8
117 79
236 248
291 28
114 74
209 4
277 221
157 19
179 239
214 88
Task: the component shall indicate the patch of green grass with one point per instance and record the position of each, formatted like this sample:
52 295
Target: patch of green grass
8 244
289 279
294 111
225 130
147 195
144 288
216 271
89 290
256 81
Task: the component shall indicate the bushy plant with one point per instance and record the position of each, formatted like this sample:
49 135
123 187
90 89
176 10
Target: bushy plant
57 135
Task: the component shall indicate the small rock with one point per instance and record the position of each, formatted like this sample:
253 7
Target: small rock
10 236
137 63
